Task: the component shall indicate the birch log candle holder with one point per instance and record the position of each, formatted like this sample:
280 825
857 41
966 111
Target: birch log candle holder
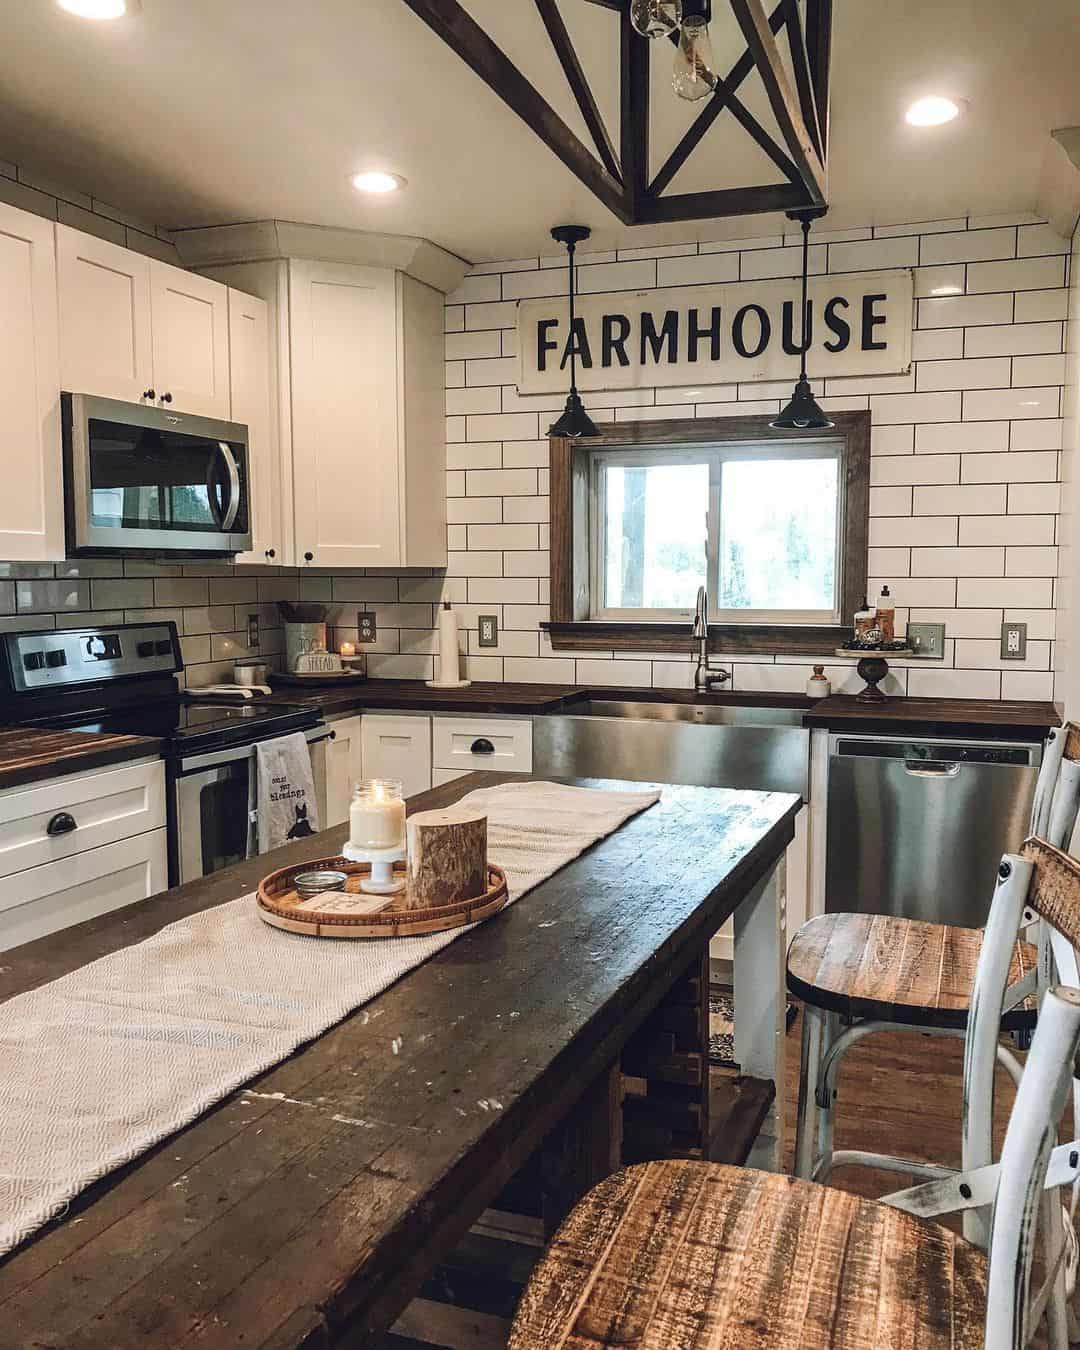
447 857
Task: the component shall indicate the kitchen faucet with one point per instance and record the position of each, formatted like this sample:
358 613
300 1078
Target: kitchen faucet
705 675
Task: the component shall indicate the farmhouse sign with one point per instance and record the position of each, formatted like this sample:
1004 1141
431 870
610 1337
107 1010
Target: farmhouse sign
860 324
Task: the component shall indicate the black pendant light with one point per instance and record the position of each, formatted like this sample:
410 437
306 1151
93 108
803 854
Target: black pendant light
803 413
575 421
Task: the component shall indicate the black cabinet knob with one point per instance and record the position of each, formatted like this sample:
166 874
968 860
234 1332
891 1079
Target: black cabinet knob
308 557
166 398
62 823
271 553
149 393
482 746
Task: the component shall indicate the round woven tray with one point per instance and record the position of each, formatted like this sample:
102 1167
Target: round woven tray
278 904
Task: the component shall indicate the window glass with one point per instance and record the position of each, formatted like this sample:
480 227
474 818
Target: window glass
655 533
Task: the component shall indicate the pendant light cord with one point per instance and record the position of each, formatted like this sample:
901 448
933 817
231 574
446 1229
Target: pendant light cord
805 325
571 249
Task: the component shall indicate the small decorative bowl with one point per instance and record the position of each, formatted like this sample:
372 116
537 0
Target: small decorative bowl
308 884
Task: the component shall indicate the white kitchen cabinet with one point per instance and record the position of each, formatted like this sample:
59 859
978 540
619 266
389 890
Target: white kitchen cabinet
358 385
190 330
249 382
31 509
344 768
44 899
397 747
140 330
105 341
494 744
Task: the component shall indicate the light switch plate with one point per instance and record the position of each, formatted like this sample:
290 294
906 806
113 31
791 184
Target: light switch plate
927 639
253 630
1013 641
366 627
488 635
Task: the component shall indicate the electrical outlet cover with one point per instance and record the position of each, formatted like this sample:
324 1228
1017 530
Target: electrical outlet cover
366 626
1013 641
253 630
927 640
488 630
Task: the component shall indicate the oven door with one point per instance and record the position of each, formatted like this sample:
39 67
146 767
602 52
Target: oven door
213 805
150 480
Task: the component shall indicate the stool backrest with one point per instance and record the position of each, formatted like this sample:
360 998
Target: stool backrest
1043 880
1057 790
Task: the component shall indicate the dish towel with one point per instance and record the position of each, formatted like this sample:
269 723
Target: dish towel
141 1042
286 807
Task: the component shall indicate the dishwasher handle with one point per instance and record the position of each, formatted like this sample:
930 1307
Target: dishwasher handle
931 768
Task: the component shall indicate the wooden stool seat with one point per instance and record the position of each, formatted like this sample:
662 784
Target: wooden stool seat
896 970
695 1256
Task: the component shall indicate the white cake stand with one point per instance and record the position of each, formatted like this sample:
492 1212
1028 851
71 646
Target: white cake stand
382 880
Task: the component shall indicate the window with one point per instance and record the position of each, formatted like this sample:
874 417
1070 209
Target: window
758 524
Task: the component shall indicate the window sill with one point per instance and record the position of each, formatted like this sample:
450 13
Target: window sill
747 639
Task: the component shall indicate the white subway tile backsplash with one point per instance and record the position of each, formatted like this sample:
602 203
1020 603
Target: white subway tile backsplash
936 438
892 440
888 470
464 346
935 407
1038 306
938 344
874 254
989 404
617 276
757 264
1012 529
461 402
1032 561
502 314
1013 339
1036 239
1038 370
711 267
890 501
504 427
1025 274
478 286
1036 433
539 670
964 311
1027 684
946 280
1034 497
956 501
474 455
968 246
961 623
990 372
940 683
1026 592
912 531
957 562
492 370
1015 466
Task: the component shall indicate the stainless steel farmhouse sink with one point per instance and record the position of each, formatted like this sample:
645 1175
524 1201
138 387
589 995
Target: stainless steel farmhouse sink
703 744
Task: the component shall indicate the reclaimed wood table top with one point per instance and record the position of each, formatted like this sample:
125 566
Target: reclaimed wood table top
309 1205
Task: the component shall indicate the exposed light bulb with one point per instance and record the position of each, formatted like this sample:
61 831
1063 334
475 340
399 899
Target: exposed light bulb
693 76
99 9
932 111
378 182
655 18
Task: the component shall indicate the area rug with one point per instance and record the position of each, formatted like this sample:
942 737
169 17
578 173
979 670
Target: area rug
722 1025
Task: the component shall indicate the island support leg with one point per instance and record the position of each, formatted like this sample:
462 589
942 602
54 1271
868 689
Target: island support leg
761 1002
584 1149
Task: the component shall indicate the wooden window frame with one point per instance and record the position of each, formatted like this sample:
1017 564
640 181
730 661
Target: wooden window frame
571 629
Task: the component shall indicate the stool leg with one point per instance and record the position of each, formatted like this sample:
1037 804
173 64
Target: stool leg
825 1098
809 1068
1057 1326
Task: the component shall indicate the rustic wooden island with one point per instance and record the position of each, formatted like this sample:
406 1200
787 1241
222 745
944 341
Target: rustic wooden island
306 1210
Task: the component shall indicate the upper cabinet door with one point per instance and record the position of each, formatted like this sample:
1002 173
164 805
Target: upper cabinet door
346 470
31 505
190 331
249 369
105 345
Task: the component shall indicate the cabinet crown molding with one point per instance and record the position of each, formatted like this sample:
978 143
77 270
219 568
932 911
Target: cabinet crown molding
264 240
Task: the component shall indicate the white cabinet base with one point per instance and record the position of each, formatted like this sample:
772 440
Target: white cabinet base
397 747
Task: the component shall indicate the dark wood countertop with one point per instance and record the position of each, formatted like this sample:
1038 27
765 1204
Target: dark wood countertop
308 1212
1009 718
30 754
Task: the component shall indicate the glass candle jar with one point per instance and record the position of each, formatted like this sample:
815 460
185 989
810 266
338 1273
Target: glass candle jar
377 815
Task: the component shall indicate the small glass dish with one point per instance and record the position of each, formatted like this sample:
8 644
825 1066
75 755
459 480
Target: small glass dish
309 884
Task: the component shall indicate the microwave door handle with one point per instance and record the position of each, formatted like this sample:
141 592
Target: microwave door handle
233 470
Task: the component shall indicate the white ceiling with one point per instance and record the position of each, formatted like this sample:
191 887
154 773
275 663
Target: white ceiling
205 112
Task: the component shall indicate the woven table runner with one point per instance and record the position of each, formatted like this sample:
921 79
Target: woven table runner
100 1065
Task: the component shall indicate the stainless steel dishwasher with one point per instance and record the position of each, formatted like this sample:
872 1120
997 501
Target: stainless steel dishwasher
917 827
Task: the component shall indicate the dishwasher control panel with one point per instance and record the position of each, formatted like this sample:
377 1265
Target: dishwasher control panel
936 752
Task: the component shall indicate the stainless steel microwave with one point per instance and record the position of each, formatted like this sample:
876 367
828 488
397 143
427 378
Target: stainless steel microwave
150 481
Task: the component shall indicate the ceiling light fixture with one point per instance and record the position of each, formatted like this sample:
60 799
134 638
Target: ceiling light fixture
99 9
803 413
377 182
933 111
575 421
686 24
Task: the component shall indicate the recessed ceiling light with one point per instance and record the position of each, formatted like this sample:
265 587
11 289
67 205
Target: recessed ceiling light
378 182
99 9
932 111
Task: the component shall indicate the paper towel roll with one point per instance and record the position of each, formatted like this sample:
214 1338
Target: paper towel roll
449 667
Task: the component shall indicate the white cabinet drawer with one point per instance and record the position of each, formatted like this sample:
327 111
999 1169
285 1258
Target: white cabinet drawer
397 747
106 806
43 900
468 743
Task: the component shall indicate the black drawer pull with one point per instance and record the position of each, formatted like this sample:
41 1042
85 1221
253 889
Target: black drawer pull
62 823
482 746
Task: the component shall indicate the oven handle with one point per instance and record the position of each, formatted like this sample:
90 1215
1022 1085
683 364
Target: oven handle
233 470
212 759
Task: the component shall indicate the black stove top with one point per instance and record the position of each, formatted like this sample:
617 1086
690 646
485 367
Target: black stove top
187 725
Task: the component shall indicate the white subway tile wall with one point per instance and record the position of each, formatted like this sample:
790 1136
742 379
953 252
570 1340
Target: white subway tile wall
965 474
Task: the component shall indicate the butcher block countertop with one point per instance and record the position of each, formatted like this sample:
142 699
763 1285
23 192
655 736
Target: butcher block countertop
29 754
1010 719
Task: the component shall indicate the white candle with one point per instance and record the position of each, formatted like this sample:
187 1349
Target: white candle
347 649
377 816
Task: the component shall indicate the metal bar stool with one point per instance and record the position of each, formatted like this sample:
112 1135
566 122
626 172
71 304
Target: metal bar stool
877 973
690 1256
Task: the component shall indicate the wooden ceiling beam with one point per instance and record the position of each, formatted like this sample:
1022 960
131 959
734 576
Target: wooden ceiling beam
819 56
782 99
634 58
724 202
721 98
579 85
463 35
800 65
